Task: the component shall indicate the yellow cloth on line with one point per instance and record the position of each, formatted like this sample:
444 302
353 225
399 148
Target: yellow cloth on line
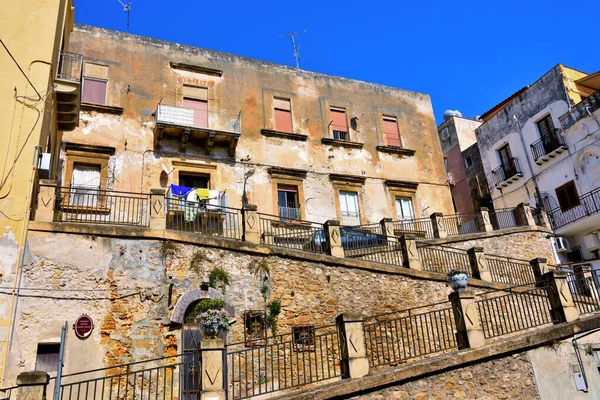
203 194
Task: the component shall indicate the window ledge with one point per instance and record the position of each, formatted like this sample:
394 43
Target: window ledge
396 150
101 108
342 143
284 135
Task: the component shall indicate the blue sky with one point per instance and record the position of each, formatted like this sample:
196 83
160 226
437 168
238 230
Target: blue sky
467 55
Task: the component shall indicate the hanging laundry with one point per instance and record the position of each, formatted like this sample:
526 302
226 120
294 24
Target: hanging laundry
214 198
191 206
203 194
180 191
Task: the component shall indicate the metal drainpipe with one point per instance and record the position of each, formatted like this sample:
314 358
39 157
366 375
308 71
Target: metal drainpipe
533 176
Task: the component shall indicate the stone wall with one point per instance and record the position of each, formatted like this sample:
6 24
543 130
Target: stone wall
509 377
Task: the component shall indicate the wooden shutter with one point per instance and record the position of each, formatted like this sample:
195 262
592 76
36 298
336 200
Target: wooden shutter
200 108
94 91
567 196
339 120
283 120
390 129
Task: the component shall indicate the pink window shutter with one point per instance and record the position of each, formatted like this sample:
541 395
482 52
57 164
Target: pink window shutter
339 120
392 137
283 121
200 108
94 91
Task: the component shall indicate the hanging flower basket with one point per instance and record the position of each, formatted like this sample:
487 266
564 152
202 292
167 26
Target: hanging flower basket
458 279
213 322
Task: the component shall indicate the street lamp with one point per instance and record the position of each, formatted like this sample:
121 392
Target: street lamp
247 175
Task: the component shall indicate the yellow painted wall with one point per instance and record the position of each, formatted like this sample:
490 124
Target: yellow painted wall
32 31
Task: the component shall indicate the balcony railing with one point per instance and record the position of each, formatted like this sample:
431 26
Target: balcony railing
225 121
69 66
507 172
589 203
289 211
547 145
350 218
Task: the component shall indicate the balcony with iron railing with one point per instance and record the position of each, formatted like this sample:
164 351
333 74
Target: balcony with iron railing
209 129
289 211
548 147
350 218
507 173
68 90
589 205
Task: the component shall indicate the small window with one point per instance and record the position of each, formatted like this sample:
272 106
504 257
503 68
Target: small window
94 91
445 134
349 208
47 357
545 126
469 162
255 327
339 124
85 184
390 129
567 195
304 337
287 201
283 115
197 181
404 208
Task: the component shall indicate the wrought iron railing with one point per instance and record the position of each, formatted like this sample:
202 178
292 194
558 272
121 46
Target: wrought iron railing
8 393
94 206
408 334
442 259
547 144
175 377
226 121
203 218
589 204
293 234
69 66
366 243
289 211
503 218
306 356
506 171
421 228
584 289
350 218
461 224
521 308
510 270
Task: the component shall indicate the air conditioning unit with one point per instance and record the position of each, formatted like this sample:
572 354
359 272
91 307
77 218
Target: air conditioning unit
592 242
561 244
44 166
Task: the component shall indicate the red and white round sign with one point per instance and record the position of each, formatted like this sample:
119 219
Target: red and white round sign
83 327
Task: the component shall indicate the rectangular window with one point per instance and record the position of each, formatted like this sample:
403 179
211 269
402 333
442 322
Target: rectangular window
283 115
404 208
287 200
47 357
546 126
567 195
349 208
85 183
468 162
197 181
94 91
339 124
390 130
255 327
200 108
304 337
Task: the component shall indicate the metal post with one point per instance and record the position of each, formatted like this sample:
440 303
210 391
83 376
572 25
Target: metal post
61 356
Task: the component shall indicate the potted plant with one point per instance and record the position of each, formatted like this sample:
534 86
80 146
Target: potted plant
213 322
457 279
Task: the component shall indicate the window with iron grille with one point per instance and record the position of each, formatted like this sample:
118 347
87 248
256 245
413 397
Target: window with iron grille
304 337
567 195
47 357
287 201
255 327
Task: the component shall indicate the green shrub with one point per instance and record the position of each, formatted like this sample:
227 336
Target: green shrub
219 279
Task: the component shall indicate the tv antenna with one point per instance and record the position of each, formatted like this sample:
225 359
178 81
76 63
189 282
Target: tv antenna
296 47
127 9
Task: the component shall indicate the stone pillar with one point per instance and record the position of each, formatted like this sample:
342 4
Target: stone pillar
539 267
387 227
251 223
211 351
439 227
354 362
544 220
469 333
333 238
32 385
483 221
479 266
561 301
410 254
46 201
158 219
525 212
